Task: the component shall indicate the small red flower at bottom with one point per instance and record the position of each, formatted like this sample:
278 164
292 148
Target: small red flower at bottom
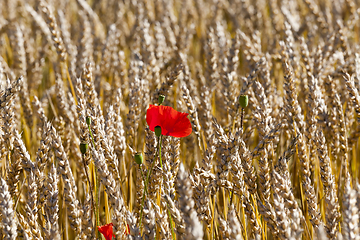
107 231
172 122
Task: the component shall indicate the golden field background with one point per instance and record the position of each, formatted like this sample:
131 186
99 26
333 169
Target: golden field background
77 78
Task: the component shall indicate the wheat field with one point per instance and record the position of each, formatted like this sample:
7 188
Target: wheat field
272 92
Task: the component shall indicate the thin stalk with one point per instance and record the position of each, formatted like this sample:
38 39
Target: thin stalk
65 67
231 197
243 219
170 220
92 137
107 211
95 183
242 118
143 178
160 153
91 191
147 181
19 194
241 126
171 223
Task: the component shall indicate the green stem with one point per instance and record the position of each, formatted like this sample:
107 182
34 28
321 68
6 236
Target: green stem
171 223
146 183
143 178
91 191
92 138
242 118
170 220
241 125
160 153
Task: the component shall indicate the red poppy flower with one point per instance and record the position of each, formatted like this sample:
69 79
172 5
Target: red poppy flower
172 122
107 231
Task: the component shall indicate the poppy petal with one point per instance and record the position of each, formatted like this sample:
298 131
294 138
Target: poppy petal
106 230
153 117
182 127
172 122
177 124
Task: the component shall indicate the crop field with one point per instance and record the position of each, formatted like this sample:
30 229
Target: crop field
179 119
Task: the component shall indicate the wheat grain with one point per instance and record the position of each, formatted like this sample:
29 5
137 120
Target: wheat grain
282 172
193 229
51 206
8 220
350 212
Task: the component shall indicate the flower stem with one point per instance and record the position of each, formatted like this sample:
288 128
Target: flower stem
143 178
242 118
147 181
92 137
91 191
241 126
160 152
170 220
171 223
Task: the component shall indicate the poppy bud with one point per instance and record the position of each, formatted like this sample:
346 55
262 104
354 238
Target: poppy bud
158 131
243 100
161 99
139 158
83 147
88 120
